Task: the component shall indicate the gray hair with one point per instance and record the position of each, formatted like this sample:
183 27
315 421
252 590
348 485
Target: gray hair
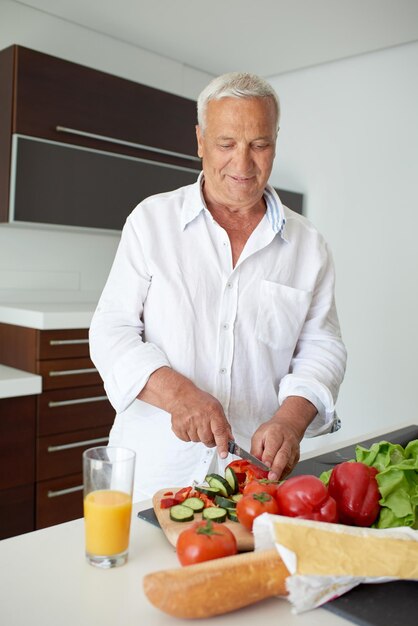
235 85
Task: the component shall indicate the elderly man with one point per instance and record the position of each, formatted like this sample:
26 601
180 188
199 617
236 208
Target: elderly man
218 317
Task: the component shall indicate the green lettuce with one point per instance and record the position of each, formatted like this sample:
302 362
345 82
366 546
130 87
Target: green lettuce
397 480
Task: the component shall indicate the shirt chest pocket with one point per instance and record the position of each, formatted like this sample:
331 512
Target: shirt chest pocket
281 314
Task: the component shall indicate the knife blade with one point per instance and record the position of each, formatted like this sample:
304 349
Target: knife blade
234 448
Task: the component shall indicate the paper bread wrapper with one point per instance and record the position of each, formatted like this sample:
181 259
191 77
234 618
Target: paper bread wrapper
327 560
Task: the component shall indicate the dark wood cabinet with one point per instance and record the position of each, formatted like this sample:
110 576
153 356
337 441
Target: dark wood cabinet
48 98
17 465
70 415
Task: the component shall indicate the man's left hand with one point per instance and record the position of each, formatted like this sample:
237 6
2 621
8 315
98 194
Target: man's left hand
277 442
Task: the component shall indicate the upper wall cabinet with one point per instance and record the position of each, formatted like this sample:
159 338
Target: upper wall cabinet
58 117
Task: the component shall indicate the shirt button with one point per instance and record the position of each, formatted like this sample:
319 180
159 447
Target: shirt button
222 370
225 326
224 243
229 285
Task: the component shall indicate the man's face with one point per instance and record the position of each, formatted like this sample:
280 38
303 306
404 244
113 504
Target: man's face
237 148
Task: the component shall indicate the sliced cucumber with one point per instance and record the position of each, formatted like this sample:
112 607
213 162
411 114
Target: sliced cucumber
211 492
232 479
181 513
196 504
232 514
236 497
225 502
214 513
216 481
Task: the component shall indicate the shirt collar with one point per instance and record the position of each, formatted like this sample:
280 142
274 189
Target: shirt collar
195 203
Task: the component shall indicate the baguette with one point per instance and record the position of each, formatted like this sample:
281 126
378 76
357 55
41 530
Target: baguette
218 586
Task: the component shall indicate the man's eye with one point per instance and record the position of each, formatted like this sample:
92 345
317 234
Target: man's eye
261 146
225 145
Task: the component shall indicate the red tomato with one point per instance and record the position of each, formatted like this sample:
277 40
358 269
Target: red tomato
261 485
253 505
307 497
204 541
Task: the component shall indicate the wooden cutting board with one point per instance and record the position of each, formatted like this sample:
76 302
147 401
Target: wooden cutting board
171 529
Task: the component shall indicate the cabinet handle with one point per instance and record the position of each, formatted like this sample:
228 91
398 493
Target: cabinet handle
77 444
122 142
63 492
76 401
86 370
67 342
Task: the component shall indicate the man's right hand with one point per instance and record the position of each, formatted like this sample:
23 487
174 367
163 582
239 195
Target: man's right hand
195 414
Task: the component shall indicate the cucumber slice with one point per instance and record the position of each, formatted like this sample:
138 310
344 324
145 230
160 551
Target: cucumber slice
225 502
211 492
231 477
214 513
232 515
196 504
215 480
181 513
236 497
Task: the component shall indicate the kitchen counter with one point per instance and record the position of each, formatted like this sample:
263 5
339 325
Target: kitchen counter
48 315
44 579
14 383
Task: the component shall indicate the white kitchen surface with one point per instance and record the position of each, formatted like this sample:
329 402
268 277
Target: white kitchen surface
48 315
44 579
14 382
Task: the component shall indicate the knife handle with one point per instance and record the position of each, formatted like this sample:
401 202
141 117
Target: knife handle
218 586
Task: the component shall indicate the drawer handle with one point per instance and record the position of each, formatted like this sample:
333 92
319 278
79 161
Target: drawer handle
77 444
122 142
76 401
67 342
87 370
64 492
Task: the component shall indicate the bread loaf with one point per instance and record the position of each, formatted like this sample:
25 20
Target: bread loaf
217 586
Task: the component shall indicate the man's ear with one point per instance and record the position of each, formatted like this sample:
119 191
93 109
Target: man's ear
199 137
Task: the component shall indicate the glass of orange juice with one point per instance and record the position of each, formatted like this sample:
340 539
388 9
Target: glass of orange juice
108 474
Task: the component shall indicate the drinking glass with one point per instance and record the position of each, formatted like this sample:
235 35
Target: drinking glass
108 474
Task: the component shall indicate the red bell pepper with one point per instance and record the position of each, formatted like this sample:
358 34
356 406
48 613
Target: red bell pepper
354 487
246 472
306 497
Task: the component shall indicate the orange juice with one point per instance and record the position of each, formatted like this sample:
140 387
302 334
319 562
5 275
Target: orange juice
107 519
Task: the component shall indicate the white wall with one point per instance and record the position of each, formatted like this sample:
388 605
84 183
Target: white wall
349 141
80 260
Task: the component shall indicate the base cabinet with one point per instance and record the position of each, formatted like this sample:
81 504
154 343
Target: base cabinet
17 466
70 415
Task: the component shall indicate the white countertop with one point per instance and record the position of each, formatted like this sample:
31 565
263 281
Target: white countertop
44 579
14 383
48 315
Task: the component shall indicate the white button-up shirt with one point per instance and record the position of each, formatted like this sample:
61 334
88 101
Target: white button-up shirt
251 335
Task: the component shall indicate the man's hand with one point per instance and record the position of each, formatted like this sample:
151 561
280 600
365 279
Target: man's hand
195 414
277 442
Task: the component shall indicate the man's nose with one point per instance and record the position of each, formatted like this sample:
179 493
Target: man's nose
243 160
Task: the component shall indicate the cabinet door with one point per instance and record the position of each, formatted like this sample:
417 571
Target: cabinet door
52 92
66 410
17 511
59 455
63 344
17 441
63 373
59 500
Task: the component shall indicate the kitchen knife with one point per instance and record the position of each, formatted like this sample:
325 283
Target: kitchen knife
234 448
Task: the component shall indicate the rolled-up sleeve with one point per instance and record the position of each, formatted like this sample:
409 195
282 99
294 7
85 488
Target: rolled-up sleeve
318 364
124 360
